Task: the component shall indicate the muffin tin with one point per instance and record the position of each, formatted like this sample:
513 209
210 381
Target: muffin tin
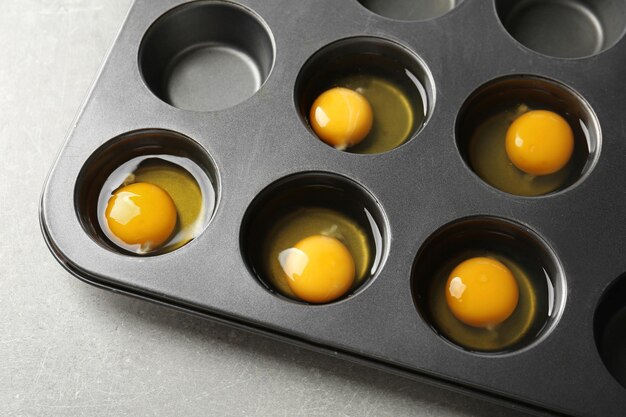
218 82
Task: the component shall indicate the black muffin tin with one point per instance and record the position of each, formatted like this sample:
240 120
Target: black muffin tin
247 145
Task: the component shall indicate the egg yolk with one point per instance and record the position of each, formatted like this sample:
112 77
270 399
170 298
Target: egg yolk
141 214
540 142
482 292
341 117
319 269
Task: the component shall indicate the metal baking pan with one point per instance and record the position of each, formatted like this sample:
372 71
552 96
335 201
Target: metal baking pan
242 122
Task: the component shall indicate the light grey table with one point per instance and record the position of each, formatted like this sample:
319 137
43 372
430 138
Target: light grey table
67 349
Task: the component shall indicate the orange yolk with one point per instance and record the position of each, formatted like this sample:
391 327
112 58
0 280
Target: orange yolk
540 142
141 214
319 269
341 117
482 292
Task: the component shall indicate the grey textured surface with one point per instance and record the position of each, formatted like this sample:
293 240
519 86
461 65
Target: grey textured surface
67 349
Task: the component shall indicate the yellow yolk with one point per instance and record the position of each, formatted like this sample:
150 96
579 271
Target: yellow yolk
540 142
482 292
341 117
319 269
141 214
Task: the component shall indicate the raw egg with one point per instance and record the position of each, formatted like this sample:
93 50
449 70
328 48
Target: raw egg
154 204
319 269
341 117
318 254
313 242
141 214
363 103
482 292
490 300
486 284
540 142
528 151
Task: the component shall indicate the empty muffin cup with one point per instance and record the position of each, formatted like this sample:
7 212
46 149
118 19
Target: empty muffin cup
410 10
564 28
207 55
314 238
146 192
610 329
487 284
